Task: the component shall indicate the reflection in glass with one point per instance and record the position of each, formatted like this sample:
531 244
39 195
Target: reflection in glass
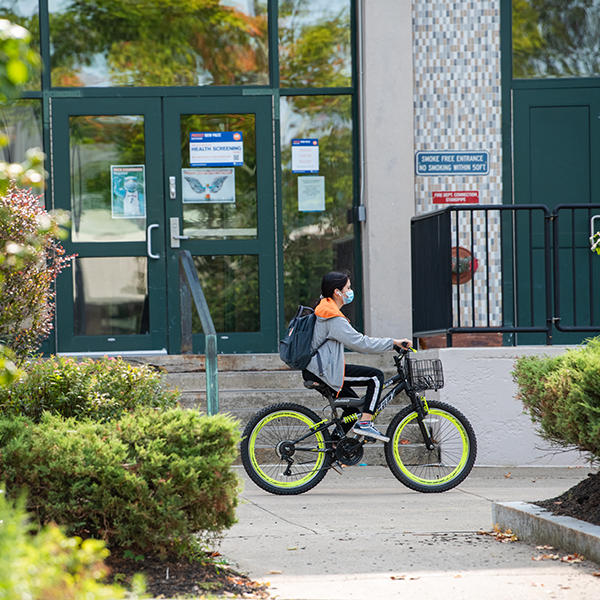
110 296
230 285
315 243
96 144
556 39
21 123
175 43
314 43
26 14
231 220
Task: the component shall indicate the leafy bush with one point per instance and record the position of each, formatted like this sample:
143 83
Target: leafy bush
100 389
30 260
149 481
562 395
50 565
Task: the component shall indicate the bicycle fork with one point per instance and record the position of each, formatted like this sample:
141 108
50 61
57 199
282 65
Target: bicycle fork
422 411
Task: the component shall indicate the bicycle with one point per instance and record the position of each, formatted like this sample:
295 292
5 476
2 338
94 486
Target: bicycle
287 449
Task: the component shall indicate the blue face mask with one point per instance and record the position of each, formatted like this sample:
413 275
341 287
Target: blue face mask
348 296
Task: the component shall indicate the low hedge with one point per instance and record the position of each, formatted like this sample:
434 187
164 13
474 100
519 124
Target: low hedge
562 395
150 480
101 389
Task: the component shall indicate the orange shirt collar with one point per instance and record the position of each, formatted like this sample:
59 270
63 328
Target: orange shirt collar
327 309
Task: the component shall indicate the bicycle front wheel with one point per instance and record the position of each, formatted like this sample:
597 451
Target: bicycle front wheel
437 470
282 453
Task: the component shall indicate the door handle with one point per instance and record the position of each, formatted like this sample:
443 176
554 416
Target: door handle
149 241
175 237
172 188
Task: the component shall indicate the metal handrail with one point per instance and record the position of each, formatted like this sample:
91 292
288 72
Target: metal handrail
191 289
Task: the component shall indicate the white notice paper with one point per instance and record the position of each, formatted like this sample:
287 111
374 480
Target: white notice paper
311 194
305 156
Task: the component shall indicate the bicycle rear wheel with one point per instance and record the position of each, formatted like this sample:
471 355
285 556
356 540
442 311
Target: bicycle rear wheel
281 453
437 470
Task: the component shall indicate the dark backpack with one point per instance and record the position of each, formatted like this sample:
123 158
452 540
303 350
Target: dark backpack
294 348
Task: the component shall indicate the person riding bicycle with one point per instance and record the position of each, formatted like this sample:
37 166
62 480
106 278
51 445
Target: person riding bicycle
332 333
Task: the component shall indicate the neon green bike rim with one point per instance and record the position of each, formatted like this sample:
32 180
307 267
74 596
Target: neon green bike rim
286 484
455 471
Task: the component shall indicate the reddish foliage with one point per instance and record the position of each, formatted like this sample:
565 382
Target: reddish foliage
30 259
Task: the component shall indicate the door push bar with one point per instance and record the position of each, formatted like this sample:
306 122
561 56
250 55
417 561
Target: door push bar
175 237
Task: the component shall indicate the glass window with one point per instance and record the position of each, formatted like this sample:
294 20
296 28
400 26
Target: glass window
314 43
553 38
230 285
110 296
316 241
158 43
220 202
108 191
21 123
26 14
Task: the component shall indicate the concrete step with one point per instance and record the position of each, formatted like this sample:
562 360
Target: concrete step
196 363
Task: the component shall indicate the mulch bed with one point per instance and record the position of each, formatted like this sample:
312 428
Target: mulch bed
580 502
178 578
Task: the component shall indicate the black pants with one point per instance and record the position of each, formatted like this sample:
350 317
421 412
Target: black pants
359 376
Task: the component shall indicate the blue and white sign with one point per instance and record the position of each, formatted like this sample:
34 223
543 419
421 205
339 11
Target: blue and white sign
452 163
305 156
216 149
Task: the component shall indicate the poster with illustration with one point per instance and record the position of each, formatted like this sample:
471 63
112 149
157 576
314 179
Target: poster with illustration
208 186
128 191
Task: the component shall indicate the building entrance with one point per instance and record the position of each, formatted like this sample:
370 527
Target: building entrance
143 178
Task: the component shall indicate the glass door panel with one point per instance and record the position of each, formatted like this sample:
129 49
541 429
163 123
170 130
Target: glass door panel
220 154
108 172
107 156
219 202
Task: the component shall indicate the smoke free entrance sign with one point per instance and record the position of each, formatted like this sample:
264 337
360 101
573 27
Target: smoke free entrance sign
452 163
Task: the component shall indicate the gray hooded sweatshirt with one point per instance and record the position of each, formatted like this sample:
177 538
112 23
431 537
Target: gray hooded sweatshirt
334 334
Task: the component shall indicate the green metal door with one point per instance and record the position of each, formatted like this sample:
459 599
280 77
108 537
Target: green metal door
129 172
107 171
219 174
556 145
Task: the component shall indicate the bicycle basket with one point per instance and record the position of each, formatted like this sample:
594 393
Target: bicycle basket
425 374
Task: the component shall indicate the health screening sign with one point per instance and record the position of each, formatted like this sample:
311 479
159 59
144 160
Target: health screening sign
216 149
452 163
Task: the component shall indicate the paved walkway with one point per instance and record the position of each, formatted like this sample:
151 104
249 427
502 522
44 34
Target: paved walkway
364 536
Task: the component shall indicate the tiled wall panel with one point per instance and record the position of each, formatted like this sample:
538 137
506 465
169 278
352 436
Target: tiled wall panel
457 107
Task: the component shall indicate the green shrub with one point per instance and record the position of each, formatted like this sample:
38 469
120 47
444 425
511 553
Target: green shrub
562 395
50 565
148 481
100 390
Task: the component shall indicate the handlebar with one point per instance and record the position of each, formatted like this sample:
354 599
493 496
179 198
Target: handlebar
404 349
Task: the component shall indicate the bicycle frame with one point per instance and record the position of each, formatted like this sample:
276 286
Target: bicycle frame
391 388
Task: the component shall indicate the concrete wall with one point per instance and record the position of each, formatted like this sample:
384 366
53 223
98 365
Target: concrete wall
389 170
478 382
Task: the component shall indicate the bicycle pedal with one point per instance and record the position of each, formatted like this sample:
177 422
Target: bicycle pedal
338 467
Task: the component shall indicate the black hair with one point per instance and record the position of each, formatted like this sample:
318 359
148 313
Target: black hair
334 280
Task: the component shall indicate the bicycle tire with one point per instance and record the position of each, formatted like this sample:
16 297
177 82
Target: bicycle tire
264 434
437 470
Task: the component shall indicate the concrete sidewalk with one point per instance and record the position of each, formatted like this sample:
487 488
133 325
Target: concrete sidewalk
363 535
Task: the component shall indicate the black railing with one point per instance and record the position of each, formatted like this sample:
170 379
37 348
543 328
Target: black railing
498 268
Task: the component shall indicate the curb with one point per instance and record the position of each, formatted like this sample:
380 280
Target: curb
539 526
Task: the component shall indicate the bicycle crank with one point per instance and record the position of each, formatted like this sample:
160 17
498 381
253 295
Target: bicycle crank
349 451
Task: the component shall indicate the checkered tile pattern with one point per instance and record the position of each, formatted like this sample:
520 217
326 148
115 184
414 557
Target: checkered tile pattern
457 107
